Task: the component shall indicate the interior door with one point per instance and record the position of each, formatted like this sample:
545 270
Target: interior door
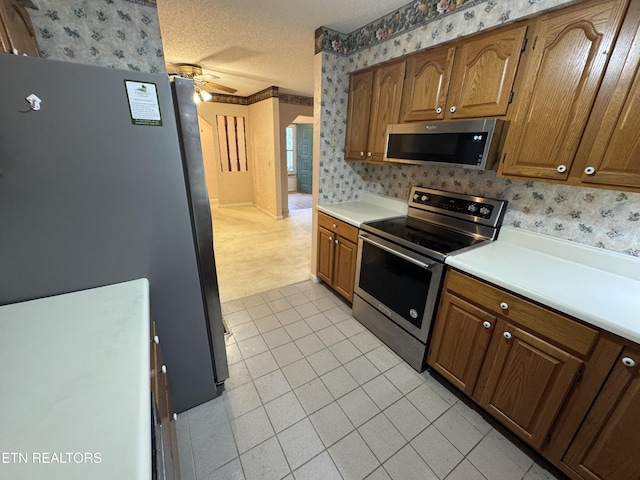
305 157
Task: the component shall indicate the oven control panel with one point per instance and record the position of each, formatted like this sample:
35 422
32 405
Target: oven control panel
465 207
458 205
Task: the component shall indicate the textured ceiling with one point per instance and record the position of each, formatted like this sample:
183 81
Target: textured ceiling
251 45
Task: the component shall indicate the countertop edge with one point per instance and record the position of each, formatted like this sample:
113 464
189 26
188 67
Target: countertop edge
369 208
532 277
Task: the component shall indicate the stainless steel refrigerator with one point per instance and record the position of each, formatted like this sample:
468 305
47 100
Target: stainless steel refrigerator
102 181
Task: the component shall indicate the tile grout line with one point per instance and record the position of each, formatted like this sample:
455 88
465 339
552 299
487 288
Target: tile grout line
304 356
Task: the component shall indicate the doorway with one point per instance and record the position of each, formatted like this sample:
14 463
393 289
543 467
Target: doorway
305 158
299 154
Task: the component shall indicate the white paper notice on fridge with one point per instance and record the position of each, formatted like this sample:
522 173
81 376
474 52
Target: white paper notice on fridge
143 103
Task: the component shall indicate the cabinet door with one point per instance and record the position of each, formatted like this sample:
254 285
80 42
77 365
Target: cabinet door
16 30
345 267
610 148
459 341
424 94
360 85
568 57
605 447
524 381
325 255
484 72
385 107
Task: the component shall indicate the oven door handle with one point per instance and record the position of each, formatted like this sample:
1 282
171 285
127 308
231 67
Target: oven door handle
394 252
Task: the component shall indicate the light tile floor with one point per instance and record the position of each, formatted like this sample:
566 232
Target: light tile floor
312 395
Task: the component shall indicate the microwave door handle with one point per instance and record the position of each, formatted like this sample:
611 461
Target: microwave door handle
394 252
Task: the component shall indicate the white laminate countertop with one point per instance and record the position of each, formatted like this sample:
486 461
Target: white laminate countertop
368 208
74 379
594 285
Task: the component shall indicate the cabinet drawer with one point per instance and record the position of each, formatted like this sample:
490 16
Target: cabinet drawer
557 328
338 227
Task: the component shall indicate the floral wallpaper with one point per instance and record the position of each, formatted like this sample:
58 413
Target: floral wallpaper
603 218
478 14
121 34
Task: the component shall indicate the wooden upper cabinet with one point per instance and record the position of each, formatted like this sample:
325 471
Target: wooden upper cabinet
16 29
610 147
484 73
471 79
385 106
360 88
569 54
524 381
424 96
605 447
374 102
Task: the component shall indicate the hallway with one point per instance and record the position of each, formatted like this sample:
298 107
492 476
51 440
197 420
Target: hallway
255 253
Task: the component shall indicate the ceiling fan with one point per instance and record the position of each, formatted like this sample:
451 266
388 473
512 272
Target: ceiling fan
201 81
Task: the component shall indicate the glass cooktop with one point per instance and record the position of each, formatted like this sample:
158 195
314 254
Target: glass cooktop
427 237
439 223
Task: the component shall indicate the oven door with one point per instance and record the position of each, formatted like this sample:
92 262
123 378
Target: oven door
400 283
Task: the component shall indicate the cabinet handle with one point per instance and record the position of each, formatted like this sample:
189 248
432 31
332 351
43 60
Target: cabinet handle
504 306
331 239
589 170
163 368
368 154
336 241
507 335
561 168
628 362
439 110
334 225
452 109
486 324
362 154
156 339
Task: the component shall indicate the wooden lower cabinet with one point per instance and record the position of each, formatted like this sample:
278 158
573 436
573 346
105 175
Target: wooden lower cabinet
459 341
606 445
337 254
168 453
524 381
345 259
514 358
567 389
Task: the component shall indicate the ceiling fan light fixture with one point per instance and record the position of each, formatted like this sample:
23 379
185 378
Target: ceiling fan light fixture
194 72
188 70
200 95
205 96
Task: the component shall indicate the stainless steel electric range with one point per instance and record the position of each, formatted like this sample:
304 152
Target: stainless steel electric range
401 264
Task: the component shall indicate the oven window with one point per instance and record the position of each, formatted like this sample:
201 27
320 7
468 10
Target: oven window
396 283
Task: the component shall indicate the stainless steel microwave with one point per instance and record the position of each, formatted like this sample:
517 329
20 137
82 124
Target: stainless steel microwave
472 144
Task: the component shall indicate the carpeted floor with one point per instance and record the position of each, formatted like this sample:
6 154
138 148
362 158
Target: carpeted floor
255 253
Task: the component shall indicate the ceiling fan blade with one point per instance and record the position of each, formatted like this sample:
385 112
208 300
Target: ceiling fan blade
217 86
